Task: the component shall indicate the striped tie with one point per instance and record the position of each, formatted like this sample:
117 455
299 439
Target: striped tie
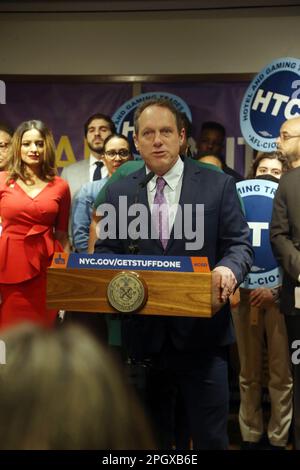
160 212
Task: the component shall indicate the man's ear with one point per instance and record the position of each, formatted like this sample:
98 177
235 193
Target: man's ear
181 136
135 140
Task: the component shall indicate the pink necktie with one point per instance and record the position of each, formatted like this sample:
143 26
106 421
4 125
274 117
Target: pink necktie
160 213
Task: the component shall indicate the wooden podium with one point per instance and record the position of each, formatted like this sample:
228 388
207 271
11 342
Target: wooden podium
173 293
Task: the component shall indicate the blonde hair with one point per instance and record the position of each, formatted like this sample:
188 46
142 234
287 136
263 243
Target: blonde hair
17 168
60 389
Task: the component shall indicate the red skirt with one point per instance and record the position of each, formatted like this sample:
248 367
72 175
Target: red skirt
25 302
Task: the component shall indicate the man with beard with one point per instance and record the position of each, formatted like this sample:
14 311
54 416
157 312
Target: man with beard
96 129
285 240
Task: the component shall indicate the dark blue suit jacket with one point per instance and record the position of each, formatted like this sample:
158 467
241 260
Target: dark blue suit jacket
226 243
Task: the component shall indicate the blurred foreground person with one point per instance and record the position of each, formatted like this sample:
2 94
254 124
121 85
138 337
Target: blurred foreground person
61 390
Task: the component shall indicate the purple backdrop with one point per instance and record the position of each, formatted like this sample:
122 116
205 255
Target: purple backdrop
219 102
65 107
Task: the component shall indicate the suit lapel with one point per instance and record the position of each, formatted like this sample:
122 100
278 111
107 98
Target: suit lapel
189 195
190 184
141 193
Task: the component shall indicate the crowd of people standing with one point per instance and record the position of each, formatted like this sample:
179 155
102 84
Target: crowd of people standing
186 359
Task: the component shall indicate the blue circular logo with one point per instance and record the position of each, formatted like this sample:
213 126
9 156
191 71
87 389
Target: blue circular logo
257 196
123 117
272 97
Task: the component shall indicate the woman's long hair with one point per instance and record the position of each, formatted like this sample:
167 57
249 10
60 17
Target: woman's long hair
17 168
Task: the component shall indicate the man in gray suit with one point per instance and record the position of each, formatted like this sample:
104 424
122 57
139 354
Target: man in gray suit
285 239
96 129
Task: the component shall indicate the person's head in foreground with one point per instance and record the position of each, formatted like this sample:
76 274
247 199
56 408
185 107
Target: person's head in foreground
60 389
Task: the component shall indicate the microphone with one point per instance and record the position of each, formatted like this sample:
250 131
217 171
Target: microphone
267 177
145 181
133 245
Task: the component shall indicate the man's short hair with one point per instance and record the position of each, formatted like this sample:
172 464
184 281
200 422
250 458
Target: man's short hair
186 124
161 102
215 126
106 118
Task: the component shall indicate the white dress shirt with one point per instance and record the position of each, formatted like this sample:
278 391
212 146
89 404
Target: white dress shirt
172 189
104 171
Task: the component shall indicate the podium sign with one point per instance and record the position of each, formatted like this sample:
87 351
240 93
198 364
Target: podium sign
258 196
146 285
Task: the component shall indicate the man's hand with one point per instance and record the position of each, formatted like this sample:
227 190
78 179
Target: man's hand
261 298
223 285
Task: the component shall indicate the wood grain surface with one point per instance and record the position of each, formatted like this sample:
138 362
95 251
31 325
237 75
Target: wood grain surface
169 293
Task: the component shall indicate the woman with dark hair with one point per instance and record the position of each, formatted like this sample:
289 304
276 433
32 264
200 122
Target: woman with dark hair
274 164
260 326
34 209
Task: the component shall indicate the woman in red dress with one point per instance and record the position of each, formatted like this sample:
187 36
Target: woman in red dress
34 210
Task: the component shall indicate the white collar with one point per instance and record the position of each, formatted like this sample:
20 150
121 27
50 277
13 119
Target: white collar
172 176
93 160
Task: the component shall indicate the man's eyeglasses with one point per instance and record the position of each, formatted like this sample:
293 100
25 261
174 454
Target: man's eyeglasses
123 153
285 137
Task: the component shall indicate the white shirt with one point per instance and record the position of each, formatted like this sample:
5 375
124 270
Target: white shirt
172 189
104 171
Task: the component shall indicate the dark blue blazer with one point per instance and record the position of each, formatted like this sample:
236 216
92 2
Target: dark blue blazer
226 243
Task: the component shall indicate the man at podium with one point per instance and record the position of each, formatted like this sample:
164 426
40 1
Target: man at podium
184 356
